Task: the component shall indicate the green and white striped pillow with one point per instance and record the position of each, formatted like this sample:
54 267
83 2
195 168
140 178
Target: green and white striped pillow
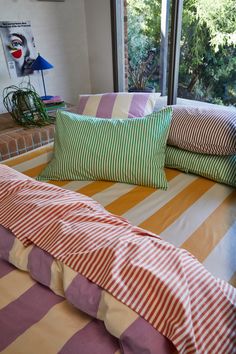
131 151
218 168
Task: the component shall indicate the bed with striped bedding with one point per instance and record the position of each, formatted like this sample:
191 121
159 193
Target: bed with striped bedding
194 213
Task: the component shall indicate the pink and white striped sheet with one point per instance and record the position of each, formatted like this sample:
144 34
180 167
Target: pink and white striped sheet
166 286
83 332
117 105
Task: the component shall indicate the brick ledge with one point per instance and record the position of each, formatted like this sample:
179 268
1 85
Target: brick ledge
18 140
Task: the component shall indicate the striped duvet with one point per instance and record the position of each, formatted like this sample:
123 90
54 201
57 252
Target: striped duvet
204 220
33 319
194 213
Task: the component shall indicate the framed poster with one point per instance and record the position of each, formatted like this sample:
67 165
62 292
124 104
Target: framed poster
19 47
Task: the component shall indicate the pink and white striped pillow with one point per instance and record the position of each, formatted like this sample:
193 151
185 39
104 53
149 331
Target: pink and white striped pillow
204 130
117 105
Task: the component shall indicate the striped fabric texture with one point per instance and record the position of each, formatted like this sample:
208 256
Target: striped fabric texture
166 286
94 314
131 150
33 320
204 130
217 168
195 213
118 105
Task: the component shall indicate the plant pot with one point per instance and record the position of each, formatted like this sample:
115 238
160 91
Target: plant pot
145 89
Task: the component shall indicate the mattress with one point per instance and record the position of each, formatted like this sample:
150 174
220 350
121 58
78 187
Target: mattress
35 320
195 213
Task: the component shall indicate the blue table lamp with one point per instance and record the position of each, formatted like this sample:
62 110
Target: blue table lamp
41 64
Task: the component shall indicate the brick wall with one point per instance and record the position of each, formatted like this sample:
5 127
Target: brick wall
16 141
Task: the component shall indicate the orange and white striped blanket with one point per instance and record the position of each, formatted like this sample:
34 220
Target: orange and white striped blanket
195 213
165 285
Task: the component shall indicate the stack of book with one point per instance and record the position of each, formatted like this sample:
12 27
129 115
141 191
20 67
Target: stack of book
55 103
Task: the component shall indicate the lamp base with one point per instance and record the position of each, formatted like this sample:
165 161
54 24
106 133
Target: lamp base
45 98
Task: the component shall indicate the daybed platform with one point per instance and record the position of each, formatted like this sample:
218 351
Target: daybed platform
194 213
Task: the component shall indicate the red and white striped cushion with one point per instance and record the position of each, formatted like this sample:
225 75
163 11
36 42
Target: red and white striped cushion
117 105
204 130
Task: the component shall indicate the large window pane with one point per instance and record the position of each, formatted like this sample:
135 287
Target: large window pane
208 52
148 45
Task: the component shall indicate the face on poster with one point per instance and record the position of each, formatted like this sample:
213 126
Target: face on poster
19 47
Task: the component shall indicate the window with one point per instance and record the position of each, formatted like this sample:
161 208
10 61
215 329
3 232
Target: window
207 69
185 49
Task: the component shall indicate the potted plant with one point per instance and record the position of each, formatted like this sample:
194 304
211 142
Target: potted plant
25 105
140 73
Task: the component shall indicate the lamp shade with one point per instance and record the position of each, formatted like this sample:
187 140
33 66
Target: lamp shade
41 64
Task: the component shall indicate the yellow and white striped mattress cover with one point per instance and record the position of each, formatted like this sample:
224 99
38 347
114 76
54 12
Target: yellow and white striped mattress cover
194 213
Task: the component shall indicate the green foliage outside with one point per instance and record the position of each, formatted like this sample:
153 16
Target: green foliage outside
143 37
208 46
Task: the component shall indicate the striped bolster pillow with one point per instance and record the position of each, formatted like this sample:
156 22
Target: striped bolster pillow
118 105
204 130
221 169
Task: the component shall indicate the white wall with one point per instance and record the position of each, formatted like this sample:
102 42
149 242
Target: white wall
60 34
98 20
